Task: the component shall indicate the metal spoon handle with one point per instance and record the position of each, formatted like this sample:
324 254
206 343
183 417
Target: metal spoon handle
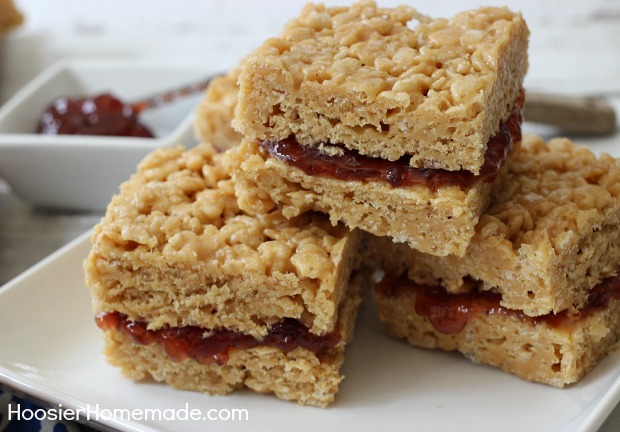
170 96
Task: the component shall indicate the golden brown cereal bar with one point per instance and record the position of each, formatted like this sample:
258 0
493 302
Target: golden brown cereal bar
10 16
174 253
215 113
387 82
551 233
552 349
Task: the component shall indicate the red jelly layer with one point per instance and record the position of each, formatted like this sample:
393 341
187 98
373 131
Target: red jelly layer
103 115
449 313
351 165
213 346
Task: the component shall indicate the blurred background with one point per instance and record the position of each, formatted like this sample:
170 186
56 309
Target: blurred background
574 46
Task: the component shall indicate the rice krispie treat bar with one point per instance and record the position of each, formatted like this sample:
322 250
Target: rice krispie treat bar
362 78
216 110
191 291
10 16
551 233
397 131
554 349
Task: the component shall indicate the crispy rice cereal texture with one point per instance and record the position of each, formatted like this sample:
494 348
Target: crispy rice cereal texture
299 375
370 79
436 222
10 16
551 233
215 113
557 356
175 250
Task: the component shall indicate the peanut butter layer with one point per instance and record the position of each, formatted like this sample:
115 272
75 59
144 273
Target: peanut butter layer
174 249
434 90
554 350
551 233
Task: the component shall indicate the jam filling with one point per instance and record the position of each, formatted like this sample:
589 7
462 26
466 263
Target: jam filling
213 346
449 313
103 115
350 165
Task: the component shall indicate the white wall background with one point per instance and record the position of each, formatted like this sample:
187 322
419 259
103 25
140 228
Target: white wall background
575 44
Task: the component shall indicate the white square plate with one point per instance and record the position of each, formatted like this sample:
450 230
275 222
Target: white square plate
82 172
50 348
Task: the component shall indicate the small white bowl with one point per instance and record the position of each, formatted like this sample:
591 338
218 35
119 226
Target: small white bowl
82 172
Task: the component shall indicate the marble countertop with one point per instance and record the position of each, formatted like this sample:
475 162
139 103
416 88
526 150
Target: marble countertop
574 50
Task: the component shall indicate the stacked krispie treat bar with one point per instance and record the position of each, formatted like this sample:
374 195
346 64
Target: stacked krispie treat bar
366 138
406 133
385 119
537 292
191 291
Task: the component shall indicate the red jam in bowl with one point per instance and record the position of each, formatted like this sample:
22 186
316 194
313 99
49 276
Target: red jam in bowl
103 115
